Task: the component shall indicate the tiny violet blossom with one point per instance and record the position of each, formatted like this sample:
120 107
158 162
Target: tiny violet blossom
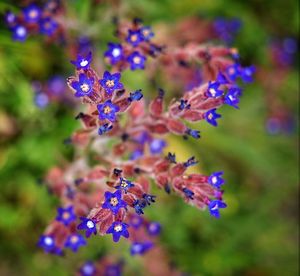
84 86
74 241
41 100
135 96
134 37
124 185
114 53
113 201
184 105
10 18
136 221
153 228
146 33
139 205
32 13
48 26
216 180
194 133
19 33
233 71
47 243
65 215
88 269
157 146
140 248
232 96
118 229
89 225
110 82
190 162
113 270
136 61
214 207
247 73
149 198
107 111
82 62
188 193
211 117
221 78
104 128
213 90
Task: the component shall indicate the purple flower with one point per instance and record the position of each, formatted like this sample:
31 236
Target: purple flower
57 85
211 117
213 90
124 185
113 270
221 79
65 215
134 37
113 201
146 33
47 243
135 96
104 128
19 33
247 73
233 71
82 62
10 18
149 198
48 26
114 52
136 60
184 105
216 180
83 87
110 82
89 225
194 133
139 205
140 248
74 241
41 100
32 14
232 96
108 111
188 193
190 162
214 207
88 269
136 221
153 228
136 154
118 229
157 146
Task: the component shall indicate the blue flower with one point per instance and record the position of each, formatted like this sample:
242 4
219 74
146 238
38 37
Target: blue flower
136 60
153 228
146 33
65 215
124 185
149 198
108 111
232 96
139 205
188 193
213 90
136 221
10 18
135 96
172 157
136 154
184 105
104 128
83 87
113 201
190 162
48 26
110 82
88 269
89 225
233 71
157 146
214 207
221 79
118 229
82 62
32 13
194 133
47 243
140 248
41 100
19 33
74 241
113 270
134 37
247 73
211 117
114 53
216 180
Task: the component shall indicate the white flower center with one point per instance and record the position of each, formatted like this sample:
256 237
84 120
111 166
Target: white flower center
84 62
212 91
33 14
90 224
137 60
214 180
88 269
116 52
118 228
215 207
85 87
21 31
48 241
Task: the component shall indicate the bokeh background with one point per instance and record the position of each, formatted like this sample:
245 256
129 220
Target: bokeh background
258 232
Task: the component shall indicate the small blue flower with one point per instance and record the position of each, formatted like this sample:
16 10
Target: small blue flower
211 117
149 198
107 111
113 270
48 26
83 87
194 133
172 157
213 90
65 215
114 53
134 37
214 207
136 154
136 60
188 193
89 225
19 33
247 73
74 241
104 128
190 162
41 100
118 229
32 13
124 185
88 269
157 146
153 228
221 79
110 82
146 33
82 62
233 71
139 205
47 243
216 180
184 105
135 96
140 248
10 18
113 201
136 221
232 96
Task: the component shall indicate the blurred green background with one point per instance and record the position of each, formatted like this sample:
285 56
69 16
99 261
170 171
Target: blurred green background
258 232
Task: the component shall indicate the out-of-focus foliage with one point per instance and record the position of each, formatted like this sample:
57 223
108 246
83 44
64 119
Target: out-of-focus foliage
258 232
